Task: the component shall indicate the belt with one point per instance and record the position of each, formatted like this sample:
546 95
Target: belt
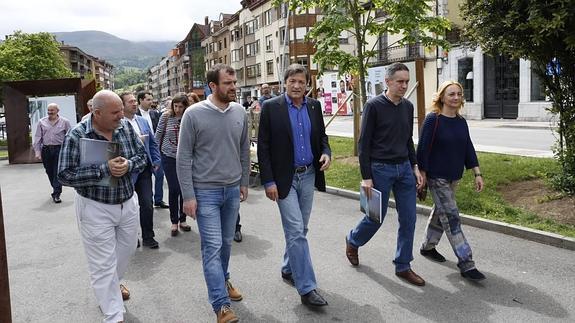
302 169
51 146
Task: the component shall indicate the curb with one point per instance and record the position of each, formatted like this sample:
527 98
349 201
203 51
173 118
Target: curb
548 238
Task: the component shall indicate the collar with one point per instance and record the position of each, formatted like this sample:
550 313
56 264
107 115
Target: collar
290 102
211 105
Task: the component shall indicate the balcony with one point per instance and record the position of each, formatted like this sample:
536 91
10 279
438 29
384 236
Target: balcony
404 53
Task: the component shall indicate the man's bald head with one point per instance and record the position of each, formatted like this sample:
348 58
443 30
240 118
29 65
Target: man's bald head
105 98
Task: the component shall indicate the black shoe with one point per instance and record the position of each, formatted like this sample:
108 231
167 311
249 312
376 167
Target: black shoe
432 254
56 199
313 298
162 205
151 243
138 245
288 278
473 275
238 236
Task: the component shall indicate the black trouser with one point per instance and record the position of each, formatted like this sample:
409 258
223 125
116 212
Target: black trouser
175 194
238 225
50 155
143 188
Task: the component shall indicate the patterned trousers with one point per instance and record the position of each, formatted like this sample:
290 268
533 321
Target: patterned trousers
445 218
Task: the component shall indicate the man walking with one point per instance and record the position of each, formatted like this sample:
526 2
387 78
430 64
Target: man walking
388 163
213 164
107 215
293 153
152 116
143 181
48 139
265 94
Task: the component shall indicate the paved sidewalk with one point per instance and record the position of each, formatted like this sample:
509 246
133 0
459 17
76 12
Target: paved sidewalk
527 281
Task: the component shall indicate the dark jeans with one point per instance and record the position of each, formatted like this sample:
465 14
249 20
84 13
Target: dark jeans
50 155
175 196
159 185
143 188
238 225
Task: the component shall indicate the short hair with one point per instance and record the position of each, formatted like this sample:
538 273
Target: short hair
123 95
178 99
142 95
213 74
296 69
393 68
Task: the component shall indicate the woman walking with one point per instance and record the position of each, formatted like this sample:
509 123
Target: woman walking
167 134
444 150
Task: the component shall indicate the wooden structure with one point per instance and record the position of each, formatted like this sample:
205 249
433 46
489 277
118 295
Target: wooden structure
16 95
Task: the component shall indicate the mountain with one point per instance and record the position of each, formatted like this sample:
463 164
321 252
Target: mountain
120 52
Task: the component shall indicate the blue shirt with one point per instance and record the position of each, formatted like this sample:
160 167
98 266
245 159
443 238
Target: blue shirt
451 150
301 130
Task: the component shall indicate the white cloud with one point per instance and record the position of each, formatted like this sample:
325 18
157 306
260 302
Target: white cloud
131 19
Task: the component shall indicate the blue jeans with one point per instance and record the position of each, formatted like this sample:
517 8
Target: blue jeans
216 215
159 185
399 179
295 210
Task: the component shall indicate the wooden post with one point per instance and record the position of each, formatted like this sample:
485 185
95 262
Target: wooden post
5 310
419 77
356 114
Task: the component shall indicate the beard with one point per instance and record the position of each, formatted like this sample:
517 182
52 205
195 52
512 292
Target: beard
225 97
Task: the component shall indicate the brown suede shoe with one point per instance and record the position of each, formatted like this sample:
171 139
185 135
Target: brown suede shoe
351 253
233 292
411 277
227 315
125 292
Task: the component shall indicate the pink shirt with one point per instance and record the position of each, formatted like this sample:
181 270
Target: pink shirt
50 134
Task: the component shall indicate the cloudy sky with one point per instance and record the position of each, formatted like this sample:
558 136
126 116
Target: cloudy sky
129 19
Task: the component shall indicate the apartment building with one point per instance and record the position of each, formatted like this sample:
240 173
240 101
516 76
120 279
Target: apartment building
216 43
88 66
495 87
193 71
154 80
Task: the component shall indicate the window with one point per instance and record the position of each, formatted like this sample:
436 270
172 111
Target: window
282 35
537 88
269 43
251 27
252 48
300 33
253 71
219 45
344 37
267 17
225 43
237 55
302 60
236 34
465 77
283 10
270 67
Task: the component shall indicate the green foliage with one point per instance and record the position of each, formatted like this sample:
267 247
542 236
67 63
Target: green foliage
544 33
412 19
31 57
125 77
499 171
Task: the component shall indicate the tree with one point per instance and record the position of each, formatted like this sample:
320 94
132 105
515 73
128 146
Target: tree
544 33
31 57
410 18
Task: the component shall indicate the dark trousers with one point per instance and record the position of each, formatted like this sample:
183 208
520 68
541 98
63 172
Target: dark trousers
238 225
50 155
175 194
159 185
143 188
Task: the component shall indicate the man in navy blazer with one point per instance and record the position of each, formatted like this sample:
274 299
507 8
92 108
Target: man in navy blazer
293 152
145 101
143 181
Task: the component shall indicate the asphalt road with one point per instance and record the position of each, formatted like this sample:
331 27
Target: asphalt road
499 136
527 281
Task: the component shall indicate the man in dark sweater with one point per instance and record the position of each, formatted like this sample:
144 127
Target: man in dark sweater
388 164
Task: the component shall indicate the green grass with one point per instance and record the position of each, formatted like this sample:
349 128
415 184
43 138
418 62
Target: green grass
497 169
3 153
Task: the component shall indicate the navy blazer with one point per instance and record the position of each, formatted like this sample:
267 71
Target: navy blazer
275 144
152 149
154 115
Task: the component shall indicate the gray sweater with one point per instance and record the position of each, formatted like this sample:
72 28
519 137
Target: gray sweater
213 148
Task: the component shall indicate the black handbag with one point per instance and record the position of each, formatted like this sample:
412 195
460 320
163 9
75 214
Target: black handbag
422 193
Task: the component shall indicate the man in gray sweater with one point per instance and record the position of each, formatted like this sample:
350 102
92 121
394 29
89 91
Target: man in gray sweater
213 161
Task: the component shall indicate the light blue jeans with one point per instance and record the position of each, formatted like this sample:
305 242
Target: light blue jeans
399 179
295 210
216 215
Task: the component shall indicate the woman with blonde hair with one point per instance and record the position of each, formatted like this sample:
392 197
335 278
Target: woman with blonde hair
167 134
444 150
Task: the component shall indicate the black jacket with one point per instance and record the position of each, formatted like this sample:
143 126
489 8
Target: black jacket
275 144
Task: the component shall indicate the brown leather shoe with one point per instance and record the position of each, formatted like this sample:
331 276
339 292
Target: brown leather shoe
351 253
125 292
411 277
227 315
233 292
